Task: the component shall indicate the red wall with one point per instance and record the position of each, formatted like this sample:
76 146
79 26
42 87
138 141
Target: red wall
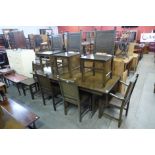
139 29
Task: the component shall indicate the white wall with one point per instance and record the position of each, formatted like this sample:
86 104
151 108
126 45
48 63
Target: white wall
30 29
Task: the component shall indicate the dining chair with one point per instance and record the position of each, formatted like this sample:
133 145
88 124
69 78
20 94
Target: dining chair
74 41
71 94
36 67
120 101
104 41
48 88
57 42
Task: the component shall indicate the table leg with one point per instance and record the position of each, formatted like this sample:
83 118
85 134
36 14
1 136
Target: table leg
82 69
41 63
23 88
32 126
102 104
100 110
31 92
56 66
104 75
69 67
35 87
93 105
93 68
17 85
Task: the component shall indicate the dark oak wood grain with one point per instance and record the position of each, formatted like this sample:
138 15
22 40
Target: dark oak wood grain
8 122
19 113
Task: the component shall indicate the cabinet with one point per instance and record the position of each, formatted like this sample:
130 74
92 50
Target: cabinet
21 60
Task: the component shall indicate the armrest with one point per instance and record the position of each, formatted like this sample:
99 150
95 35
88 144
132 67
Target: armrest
119 98
123 83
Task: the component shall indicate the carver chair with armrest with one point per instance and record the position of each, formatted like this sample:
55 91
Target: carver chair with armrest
121 102
72 95
48 88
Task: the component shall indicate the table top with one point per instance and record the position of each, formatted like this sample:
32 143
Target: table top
97 57
47 53
6 70
93 84
15 77
8 122
28 81
19 113
67 54
125 60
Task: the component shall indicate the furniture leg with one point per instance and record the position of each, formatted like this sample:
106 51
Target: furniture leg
69 67
65 107
120 117
34 125
82 69
17 85
100 109
93 68
54 106
127 109
93 106
79 109
31 92
24 92
43 98
41 63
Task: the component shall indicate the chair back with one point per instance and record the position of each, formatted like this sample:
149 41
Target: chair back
2 58
74 41
104 41
152 47
44 83
88 36
57 42
36 66
130 89
38 40
69 91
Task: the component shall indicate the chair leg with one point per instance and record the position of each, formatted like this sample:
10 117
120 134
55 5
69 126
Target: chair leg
17 86
79 109
120 117
127 109
65 107
43 97
92 101
54 106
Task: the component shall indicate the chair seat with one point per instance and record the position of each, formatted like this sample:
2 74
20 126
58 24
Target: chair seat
116 102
